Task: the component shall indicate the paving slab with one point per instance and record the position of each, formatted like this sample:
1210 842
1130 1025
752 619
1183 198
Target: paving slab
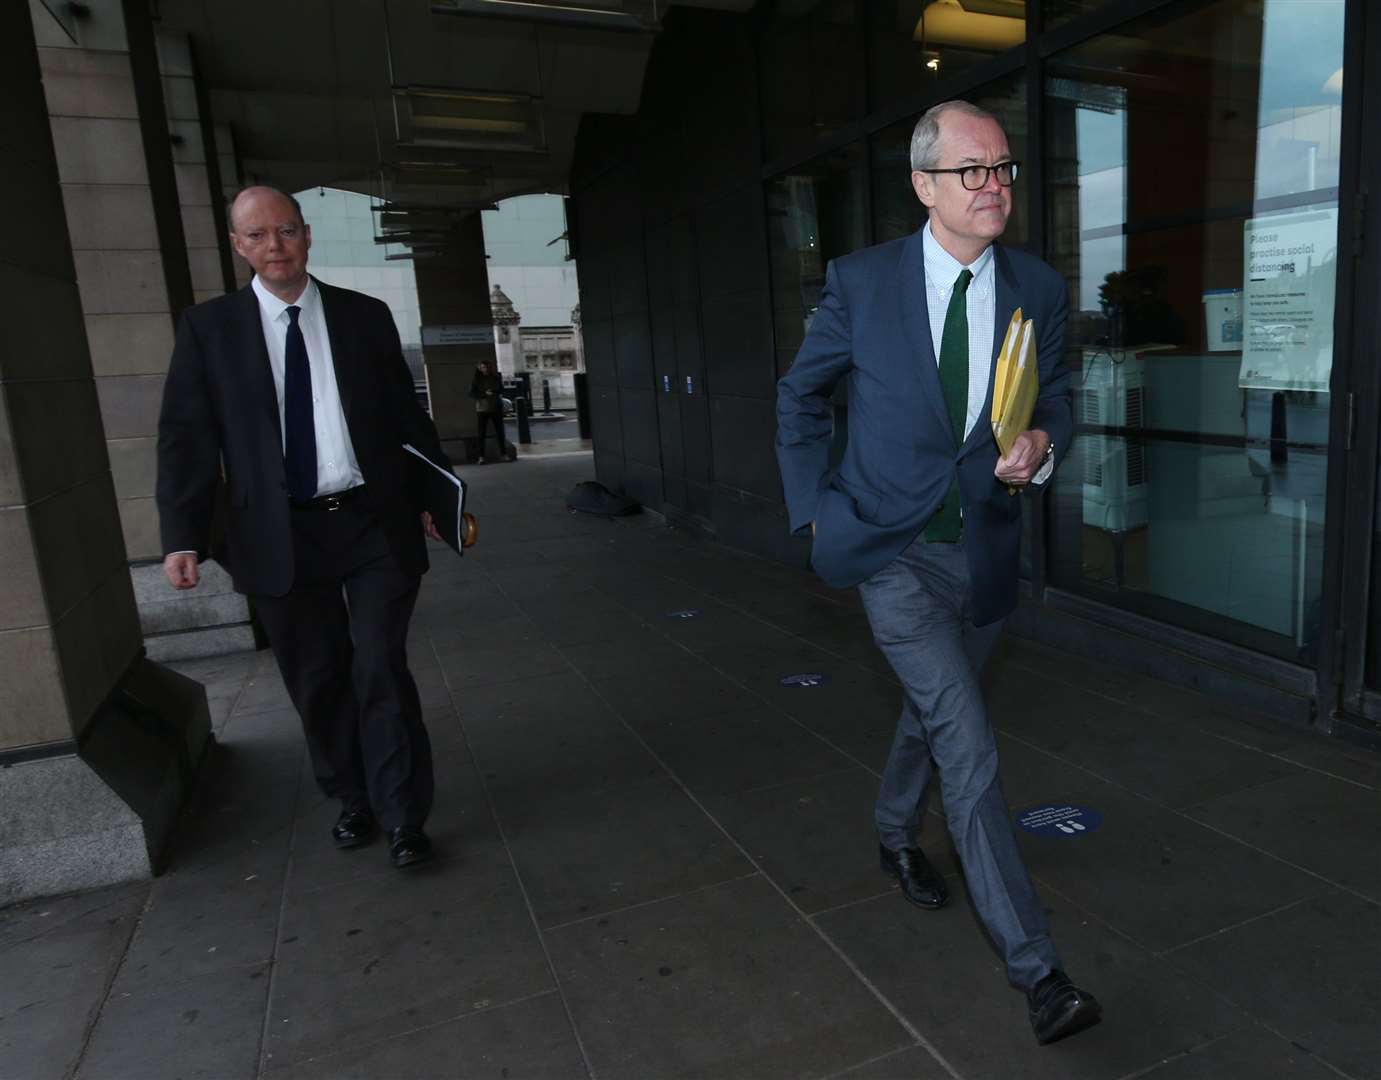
723 982
653 860
815 838
359 963
600 851
1156 875
940 970
1254 1053
58 956
207 1028
725 753
1309 973
1324 824
530 1039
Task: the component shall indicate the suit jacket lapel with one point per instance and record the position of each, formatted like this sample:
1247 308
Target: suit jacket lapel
343 357
249 325
916 321
1005 302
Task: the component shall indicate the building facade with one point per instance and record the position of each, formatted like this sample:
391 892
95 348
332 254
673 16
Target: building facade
535 285
1194 168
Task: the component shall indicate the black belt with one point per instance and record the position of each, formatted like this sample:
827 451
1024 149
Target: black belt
334 501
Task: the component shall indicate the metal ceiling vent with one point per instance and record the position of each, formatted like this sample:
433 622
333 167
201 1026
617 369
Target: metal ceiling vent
641 16
468 119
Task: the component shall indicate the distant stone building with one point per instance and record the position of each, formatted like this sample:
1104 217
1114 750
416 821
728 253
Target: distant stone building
551 355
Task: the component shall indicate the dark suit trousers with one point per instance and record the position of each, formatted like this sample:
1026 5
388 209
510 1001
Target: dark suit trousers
918 606
340 639
494 420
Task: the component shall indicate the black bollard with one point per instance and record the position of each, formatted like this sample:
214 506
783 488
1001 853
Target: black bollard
520 406
582 404
546 396
1280 452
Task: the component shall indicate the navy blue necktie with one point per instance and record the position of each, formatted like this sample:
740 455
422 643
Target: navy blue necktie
299 431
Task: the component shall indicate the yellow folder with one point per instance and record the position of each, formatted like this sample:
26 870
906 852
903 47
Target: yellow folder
1015 383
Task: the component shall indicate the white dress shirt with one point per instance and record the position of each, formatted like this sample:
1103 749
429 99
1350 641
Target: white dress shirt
942 270
336 466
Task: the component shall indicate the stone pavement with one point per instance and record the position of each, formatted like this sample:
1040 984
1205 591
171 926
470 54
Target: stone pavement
657 861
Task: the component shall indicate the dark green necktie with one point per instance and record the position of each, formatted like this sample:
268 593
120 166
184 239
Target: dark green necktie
944 526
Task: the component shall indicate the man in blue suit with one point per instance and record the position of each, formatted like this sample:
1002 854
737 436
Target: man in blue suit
918 514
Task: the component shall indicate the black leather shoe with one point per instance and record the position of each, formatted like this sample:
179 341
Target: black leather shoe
408 845
919 882
1059 1008
353 828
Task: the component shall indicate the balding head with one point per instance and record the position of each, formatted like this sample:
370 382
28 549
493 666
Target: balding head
252 195
268 232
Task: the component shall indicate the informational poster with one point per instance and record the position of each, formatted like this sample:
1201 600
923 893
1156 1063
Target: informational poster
458 334
1287 300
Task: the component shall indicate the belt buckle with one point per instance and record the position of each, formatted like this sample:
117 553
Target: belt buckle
334 502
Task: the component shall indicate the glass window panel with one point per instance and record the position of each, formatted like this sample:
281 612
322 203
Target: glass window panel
813 215
896 210
1192 165
912 45
812 72
1373 659
1058 12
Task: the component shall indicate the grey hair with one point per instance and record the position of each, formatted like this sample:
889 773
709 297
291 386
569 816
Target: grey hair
925 138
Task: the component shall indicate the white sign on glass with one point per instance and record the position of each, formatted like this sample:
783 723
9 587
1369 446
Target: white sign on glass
1287 300
458 334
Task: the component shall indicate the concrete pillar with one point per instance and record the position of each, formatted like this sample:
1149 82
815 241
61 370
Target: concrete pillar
232 179
196 167
98 746
136 180
214 619
131 286
453 289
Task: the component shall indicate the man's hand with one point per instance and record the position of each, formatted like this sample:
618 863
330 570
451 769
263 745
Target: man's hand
429 527
1028 452
180 568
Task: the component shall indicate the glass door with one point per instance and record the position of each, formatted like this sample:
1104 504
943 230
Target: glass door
1350 676
1192 164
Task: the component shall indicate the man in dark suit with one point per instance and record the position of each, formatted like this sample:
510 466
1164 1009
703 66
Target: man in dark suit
294 397
918 513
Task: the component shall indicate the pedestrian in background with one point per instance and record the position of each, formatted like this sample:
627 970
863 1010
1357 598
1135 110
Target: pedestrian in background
487 390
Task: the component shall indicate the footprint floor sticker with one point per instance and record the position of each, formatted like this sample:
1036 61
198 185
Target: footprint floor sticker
1059 819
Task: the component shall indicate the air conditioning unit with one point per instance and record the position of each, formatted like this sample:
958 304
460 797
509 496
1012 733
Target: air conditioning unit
1113 394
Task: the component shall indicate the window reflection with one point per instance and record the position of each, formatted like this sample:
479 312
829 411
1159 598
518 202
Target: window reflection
813 215
1192 159
812 72
913 44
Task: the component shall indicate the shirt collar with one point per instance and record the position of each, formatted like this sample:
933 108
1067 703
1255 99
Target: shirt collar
274 308
942 268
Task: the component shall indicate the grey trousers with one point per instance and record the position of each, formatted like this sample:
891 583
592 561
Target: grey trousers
918 608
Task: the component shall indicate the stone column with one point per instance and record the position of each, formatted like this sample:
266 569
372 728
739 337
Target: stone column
196 167
213 619
453 289
97 745
232 180
134 168
132 283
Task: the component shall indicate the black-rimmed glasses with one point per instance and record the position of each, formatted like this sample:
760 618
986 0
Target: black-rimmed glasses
975 177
